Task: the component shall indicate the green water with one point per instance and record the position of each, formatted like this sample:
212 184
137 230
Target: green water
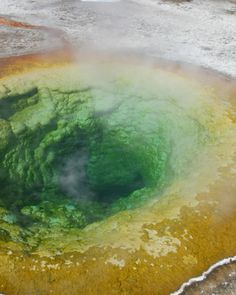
75 152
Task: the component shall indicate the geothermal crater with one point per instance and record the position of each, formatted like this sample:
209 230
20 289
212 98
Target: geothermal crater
114 164
77 148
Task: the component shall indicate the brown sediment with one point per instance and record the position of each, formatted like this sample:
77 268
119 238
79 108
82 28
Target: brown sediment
202 234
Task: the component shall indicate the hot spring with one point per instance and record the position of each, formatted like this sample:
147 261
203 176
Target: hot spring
117 166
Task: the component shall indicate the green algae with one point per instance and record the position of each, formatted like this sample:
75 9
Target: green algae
75 149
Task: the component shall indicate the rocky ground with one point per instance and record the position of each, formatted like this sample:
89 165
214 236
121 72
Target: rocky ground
200 32
221 281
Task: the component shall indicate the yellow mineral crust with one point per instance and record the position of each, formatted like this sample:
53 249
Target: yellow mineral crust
149 250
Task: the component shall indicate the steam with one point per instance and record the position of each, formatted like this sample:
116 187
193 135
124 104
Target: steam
73 178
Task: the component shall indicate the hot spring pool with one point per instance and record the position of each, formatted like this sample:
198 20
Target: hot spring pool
114 175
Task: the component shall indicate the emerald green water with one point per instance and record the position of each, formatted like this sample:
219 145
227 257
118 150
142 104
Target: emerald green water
74 154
